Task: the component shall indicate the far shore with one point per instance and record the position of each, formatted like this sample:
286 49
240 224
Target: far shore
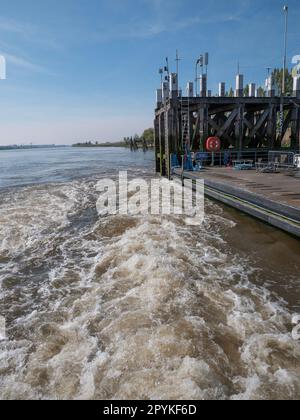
119 144
32 146
93 145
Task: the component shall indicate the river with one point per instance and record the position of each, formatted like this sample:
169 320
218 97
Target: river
142 307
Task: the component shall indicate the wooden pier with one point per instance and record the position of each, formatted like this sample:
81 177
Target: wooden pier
245 126
241 123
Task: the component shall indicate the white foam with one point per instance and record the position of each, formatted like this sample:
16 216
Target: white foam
139 308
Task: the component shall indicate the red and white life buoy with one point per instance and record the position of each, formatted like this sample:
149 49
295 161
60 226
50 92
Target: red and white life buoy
213 144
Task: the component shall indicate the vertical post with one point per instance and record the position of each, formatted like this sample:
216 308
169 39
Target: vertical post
252 89
297 131
239 89
171 138
239 128
270 84
271 127
166 157
296 87
281 116
196 78
203 86
177 66
286 12
251 119
295 140
162 141
222 89
190 122
159 99
203 119
157 144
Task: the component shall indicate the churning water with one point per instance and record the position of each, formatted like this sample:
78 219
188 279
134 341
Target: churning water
137 307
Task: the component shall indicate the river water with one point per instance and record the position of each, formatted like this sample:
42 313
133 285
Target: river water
141 307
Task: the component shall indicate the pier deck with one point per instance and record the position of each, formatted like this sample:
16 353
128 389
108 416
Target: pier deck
272 198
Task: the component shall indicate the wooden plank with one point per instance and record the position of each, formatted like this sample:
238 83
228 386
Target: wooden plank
260 122
228 123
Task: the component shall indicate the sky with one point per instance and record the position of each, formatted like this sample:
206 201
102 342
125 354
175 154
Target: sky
82 70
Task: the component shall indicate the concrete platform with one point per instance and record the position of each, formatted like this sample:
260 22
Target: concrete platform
272 198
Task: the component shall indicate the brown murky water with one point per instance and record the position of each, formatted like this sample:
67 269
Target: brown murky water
143 307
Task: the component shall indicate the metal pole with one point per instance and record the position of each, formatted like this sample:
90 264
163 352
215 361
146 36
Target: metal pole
161 72
286 11
196 79
168 69
199 61
283 91
178 59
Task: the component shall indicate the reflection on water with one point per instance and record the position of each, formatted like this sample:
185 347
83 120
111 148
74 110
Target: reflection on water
142 307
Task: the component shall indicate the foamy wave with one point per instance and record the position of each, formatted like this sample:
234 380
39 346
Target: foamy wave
31 216
135 308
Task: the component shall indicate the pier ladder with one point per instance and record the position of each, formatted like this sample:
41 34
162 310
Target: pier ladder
185 122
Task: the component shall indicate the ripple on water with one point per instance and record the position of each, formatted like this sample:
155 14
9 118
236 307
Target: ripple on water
131 308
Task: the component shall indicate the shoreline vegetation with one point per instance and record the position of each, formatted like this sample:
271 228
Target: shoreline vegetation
96 144
145 141
30 146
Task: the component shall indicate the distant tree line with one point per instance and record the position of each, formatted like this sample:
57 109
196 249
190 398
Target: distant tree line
97 144
146 139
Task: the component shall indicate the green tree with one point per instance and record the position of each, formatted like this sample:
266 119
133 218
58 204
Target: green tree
246 90
278 76
261 92
148 135
230 93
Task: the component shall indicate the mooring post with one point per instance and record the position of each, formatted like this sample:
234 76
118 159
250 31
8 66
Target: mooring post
157 144
162 142
203 113
168 134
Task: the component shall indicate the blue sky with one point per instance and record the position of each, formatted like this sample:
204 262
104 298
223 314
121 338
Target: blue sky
87 70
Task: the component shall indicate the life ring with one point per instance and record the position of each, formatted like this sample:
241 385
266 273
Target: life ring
213 144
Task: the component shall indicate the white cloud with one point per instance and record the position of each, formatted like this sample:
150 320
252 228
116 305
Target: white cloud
158 26
30 33
23 63
12 26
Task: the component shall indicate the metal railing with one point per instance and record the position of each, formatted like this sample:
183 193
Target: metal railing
260 159
228 157
283 160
